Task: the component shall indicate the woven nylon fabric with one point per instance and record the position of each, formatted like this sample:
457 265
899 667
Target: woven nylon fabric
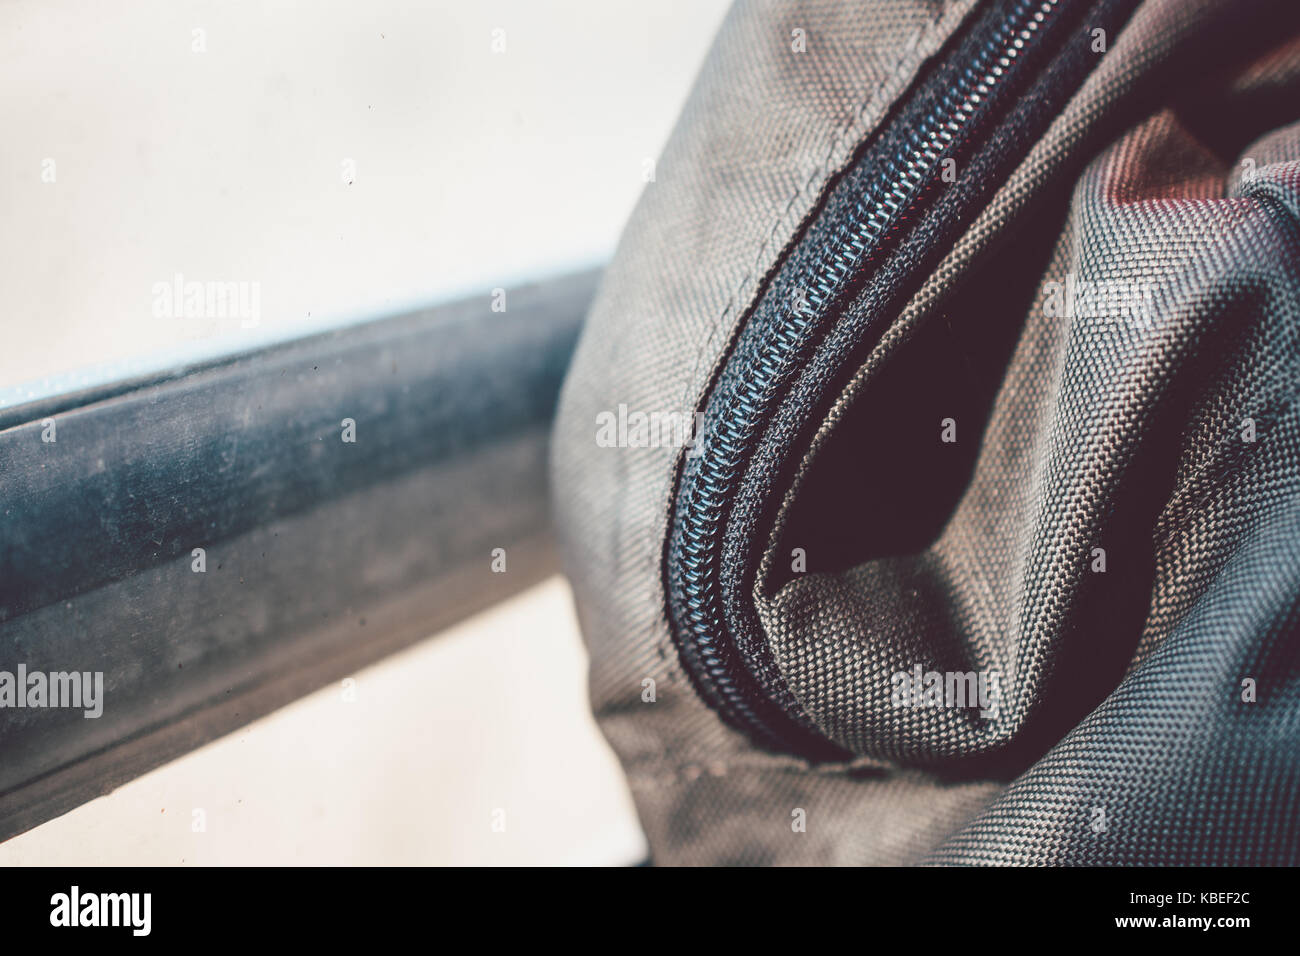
1170 441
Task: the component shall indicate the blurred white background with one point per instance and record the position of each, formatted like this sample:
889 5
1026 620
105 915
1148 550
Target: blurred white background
353 159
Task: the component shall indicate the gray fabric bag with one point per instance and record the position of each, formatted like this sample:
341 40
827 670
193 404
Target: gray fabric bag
928 472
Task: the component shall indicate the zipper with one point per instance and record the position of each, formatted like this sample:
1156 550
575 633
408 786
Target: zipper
884 219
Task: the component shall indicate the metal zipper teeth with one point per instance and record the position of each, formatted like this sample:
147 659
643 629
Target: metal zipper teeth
706 486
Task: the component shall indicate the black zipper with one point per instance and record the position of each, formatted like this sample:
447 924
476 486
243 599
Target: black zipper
994 88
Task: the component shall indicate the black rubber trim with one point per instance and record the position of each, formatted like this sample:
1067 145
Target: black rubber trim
321 555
